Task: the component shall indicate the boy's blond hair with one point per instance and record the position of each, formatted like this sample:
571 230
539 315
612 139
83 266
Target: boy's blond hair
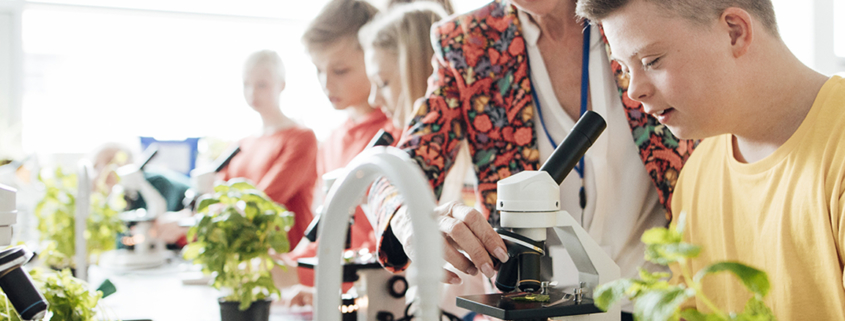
268 59
339 19
446 4
405 31
702 11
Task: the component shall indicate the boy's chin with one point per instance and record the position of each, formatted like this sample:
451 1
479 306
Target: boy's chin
686 132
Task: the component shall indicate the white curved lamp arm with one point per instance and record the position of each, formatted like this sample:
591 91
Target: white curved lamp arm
406 176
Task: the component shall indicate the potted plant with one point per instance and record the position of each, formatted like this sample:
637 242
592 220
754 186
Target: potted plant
56 213
232 239
656 299
69 298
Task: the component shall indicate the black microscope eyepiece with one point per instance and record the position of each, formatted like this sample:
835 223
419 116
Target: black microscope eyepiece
18 286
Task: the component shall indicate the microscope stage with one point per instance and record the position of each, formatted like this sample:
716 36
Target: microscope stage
502 307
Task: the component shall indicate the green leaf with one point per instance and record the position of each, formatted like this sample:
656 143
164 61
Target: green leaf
665 254
659 305
755 310
660 235
241 185
205 202
755 280
606 295
649 277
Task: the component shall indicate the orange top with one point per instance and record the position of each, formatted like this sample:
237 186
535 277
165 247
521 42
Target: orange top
350 139
346 142
283 165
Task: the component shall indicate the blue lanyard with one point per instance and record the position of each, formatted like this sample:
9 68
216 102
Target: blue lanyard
585 86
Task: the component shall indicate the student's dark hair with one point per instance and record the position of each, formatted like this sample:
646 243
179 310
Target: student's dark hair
701 11
338 19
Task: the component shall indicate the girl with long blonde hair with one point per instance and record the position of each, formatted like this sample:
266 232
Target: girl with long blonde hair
398 53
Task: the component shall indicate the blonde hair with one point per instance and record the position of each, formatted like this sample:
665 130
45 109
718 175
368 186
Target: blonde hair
268 59
446 4
338 19
405 31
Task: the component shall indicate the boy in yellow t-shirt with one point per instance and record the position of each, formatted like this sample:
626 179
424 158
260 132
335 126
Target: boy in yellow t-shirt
766 188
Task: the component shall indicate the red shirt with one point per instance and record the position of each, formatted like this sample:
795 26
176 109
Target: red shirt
346 142
283 165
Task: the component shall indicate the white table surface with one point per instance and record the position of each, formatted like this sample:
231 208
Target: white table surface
158 294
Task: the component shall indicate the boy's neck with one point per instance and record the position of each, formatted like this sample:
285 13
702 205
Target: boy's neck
358 112
274 121
779 98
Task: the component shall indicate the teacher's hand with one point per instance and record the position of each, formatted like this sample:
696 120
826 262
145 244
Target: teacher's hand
466 230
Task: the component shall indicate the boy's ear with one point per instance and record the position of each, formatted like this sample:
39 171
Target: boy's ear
739 25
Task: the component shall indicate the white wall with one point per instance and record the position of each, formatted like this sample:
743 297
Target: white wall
10 79
807 27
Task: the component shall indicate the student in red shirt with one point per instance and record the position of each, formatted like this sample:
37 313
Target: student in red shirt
281 160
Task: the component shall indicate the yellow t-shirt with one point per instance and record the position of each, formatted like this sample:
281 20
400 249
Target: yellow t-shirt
782 214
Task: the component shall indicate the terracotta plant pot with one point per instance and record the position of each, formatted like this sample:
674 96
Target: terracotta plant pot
258 311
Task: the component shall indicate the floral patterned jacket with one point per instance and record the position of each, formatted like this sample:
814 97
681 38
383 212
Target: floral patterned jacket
481 91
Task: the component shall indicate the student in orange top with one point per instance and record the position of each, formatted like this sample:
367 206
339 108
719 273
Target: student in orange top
281 160
331 40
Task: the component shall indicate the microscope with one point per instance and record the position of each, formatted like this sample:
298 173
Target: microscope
532 223
202 179
143 251
380 295
15 282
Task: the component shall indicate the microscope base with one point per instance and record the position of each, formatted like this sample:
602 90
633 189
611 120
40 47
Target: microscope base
125 260
500 306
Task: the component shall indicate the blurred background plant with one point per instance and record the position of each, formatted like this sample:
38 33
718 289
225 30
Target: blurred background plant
56 213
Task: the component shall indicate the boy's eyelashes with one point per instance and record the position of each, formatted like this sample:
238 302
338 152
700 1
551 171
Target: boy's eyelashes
650 64
340 71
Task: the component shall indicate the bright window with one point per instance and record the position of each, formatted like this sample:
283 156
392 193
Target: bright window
107 70
97 75
839 27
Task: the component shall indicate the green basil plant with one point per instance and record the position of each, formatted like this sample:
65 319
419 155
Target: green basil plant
656 299
56 213
232 239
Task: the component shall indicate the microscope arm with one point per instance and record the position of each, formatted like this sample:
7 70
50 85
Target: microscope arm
396 166
594 265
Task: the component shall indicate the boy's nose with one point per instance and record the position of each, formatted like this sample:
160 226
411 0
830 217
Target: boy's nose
639 87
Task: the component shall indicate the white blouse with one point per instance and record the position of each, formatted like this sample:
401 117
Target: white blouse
622 201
